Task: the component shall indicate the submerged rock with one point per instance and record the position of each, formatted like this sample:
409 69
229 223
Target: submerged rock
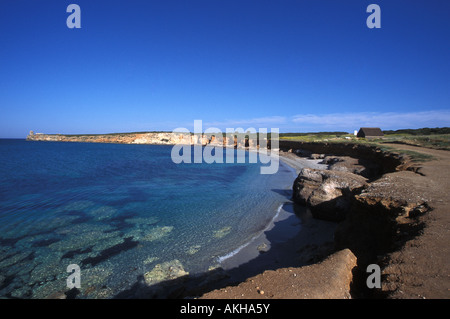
143 222
103 212
157 233
80 205
166 271
193 249
222 232
150 259
81 236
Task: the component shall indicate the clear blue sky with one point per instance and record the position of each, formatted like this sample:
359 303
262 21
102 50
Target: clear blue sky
295 65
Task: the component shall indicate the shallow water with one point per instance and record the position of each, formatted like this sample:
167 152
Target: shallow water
120 212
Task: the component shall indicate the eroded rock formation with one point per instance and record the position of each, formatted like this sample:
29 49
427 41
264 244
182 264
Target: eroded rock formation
377 215
329 279
328 193
167 138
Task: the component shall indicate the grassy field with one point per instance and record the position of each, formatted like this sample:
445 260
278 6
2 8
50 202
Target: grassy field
319 137
435 141
414 156
428 138
438 141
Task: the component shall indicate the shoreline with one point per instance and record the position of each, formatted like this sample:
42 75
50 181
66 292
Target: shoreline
292 237
256 239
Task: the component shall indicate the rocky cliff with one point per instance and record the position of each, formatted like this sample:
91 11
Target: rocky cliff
373 160
167 138
376 214
154 138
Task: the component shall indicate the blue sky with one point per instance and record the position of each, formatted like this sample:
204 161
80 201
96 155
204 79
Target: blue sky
299 66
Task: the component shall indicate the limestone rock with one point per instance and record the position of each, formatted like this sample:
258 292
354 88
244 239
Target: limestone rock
166 271
327 193
329 279
383 214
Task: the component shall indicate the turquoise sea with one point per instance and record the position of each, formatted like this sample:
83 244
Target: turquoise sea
120 212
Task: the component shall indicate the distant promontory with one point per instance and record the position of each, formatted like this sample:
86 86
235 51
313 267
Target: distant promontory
122 138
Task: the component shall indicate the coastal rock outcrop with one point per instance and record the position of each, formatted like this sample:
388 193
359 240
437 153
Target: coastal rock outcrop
353 165
166 271
381 161
330 279
383 217
381 214
327 193
155 138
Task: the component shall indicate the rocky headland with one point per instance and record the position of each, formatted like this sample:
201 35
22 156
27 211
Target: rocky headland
389 211
158 138
153 138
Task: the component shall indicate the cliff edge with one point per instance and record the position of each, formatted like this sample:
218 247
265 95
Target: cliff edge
398 220
393 216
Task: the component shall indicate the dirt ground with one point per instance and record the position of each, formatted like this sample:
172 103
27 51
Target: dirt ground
421 268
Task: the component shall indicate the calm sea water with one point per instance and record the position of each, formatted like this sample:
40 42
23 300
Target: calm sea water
119 211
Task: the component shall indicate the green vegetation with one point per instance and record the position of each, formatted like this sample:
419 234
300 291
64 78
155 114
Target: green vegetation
435 138
421 131
318 137
414 156
441 141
